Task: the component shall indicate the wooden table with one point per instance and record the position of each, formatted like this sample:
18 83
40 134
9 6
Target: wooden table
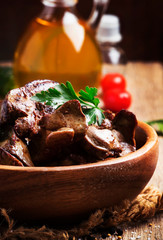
145 82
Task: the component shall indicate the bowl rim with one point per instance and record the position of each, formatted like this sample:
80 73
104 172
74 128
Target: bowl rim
152 138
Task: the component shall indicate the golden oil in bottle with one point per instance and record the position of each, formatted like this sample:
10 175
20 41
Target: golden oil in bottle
62 49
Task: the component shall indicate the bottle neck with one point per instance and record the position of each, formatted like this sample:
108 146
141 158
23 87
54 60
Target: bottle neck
54 10
99 7
59 3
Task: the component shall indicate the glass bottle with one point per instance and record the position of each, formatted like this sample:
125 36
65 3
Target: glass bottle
109 37
59 46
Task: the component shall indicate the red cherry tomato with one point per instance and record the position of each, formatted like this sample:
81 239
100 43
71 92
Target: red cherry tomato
113 81
116 100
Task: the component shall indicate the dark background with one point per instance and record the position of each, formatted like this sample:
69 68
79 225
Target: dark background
141 25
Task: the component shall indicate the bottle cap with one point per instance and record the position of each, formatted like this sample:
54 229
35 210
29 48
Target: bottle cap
109 29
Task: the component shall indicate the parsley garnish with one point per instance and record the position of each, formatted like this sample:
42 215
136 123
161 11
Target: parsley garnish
62 93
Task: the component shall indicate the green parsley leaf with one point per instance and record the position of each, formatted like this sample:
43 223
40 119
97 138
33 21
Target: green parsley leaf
157 125
89 95
94 115
63 93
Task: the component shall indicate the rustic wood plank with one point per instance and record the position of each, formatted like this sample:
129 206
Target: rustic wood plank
150 230
145 82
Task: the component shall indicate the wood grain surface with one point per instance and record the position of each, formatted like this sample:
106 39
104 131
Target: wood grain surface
145 82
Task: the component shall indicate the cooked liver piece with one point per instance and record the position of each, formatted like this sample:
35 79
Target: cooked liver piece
69 115
7 159
16 149
125 122
114 138
20 110
101 143
59 139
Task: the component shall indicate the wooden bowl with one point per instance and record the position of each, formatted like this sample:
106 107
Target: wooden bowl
72 192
